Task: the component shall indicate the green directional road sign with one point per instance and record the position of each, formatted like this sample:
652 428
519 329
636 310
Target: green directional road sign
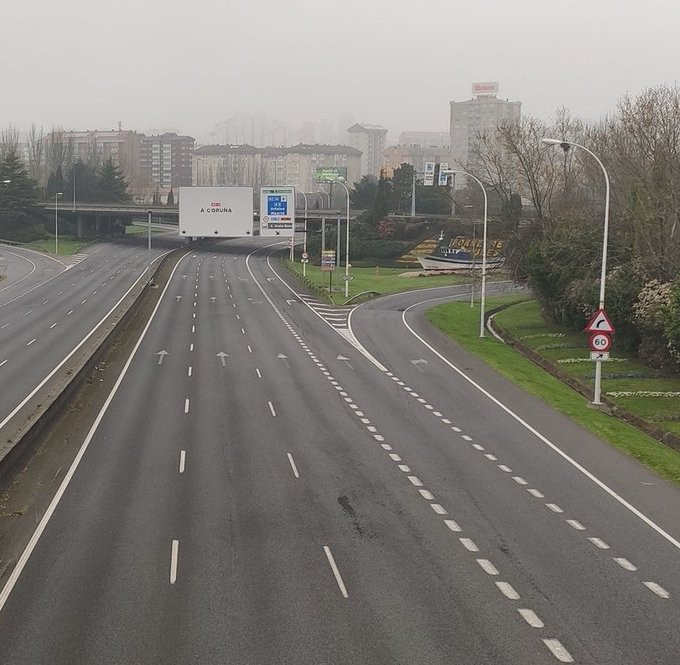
331 174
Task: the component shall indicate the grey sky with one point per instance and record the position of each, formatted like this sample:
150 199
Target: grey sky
165 63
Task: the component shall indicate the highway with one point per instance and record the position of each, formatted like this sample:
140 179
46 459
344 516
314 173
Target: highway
274 482
48 307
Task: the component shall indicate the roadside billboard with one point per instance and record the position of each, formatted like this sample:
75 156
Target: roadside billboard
215 212
331 174
277 211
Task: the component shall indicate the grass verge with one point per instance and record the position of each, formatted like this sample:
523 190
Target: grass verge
67 246
459 321
379 279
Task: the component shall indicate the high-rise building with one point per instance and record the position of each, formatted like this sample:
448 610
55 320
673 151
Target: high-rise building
123 147
425 139
483 113
165 160
370 140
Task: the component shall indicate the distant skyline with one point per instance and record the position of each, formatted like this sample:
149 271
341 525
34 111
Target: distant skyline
88 65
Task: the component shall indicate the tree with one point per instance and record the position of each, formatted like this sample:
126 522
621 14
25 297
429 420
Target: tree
112 185
402 185
171 198
86 182
19 212
380 205
364 192
55 183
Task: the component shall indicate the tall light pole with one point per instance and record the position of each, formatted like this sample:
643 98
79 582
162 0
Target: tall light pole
304 240
56 221
148 249
486 206
565 145
347 243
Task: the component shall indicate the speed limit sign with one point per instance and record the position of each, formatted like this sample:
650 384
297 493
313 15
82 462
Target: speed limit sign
600 342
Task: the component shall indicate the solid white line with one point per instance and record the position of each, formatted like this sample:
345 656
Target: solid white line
271 408
182 460
624 563
292 464
335 570
507 590
259 375
531 618
186 405
469 544
426 494
579 467
657 589
487 567
30 395
23 559
598 542
453 526
558 650
173 561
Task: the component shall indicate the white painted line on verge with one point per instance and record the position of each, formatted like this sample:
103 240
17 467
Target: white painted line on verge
182 460
531 618
558 650
174 556
624 563
657 589
292 465
487 567
453 526
23 559
336 572
507 590
271 408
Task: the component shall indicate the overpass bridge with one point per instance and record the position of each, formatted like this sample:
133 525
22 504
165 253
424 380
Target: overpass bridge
99 219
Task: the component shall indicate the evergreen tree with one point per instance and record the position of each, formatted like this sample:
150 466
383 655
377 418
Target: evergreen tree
364 192
381 203
112 185
156 197
55 183
85 180
19 212
402 184
171 198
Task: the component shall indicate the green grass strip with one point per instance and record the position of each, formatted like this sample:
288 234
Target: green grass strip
461 322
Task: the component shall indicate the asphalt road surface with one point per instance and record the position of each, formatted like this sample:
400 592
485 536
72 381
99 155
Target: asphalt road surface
48 307
259 490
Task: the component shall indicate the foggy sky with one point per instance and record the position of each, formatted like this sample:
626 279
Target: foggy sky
154 64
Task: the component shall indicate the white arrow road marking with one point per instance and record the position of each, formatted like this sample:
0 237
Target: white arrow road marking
346 360
417 363
178 298
284 358
213 299
223 357
161 356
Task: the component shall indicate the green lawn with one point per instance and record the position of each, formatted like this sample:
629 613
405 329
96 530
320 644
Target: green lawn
459 321
382 280
67 245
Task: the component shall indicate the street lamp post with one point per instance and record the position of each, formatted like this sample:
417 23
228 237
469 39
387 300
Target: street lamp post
148 249
56 221
304 240
347 243
483 287
565 145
